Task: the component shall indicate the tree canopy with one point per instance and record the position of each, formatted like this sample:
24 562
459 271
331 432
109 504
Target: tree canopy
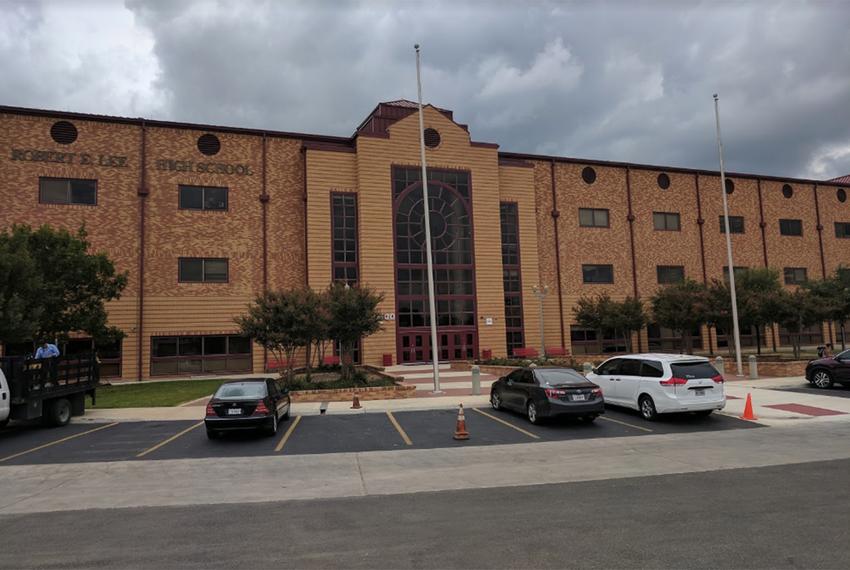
51 285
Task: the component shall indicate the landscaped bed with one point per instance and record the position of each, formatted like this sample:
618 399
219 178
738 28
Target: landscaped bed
154 394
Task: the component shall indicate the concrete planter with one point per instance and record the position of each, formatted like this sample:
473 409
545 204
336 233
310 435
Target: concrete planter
396 392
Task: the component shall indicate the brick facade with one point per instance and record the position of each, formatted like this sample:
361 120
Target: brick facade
275 232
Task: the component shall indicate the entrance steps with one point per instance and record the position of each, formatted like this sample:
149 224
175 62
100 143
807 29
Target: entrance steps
452 382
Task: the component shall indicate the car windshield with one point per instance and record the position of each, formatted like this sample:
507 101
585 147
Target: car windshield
242 391
557 377
688 370
843 355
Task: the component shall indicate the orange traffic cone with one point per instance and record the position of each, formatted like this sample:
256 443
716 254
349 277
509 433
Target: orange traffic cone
355 404
460 429
748 409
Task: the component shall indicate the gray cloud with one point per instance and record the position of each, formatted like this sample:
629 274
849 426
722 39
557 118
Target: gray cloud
614 81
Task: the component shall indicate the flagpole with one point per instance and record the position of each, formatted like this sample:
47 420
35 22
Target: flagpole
735 329
430 261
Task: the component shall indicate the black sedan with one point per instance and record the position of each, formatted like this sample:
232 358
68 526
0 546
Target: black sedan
247 405
548 392
824 372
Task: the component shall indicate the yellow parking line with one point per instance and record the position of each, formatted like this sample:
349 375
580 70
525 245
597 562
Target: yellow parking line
625 424
170 439
510 425
398 428
58 441
288 433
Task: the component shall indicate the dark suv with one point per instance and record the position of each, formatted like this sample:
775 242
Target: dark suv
823 372
547 392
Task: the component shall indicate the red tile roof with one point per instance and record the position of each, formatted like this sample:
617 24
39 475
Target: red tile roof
842 179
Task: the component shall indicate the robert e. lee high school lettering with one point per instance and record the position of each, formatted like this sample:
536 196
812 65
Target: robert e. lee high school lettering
82 158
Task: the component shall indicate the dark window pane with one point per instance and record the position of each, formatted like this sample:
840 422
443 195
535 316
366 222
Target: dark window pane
215 198
83 192
191 269
842 230
795 275
215 345
670 274
164 346
791 227
190 345
736 225
239 345
53 191
215 270
191 197
598 273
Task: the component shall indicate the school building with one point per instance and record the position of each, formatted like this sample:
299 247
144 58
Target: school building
204 218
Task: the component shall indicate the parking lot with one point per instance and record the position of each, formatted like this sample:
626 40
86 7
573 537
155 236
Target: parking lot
316 434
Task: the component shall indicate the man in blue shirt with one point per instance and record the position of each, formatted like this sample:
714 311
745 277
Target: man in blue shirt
47 350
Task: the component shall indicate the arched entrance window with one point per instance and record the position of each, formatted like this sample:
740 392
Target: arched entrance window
454 274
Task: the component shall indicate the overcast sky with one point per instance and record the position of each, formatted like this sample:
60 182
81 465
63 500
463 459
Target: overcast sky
625 81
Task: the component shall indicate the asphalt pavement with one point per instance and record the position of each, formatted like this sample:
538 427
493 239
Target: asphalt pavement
787 516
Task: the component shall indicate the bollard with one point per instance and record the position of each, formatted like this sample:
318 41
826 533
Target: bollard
476 380
587 368
754 367
720 365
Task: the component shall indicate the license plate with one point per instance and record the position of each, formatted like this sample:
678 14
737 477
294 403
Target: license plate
699 392
578 398
234 412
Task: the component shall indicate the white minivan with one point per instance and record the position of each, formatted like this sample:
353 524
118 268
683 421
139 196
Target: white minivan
5 400
661 383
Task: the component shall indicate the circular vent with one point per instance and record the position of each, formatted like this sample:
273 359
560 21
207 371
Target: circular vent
841 194
209 144
63 132
787 191
663 181
730 186
588 175
432 138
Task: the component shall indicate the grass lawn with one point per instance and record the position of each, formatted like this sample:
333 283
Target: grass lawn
154 394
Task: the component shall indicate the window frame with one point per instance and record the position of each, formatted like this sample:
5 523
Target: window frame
69 190
783 223
202 356
846 230
593 214
203 189
586 266
666 217
732 219
346 266
793 272
658 269
203 260
512 276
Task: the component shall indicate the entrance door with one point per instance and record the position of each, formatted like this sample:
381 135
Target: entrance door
454 273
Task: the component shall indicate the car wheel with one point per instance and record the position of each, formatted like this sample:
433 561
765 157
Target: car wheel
822 379
703 413
212 434
4 422
531 412
58 413
495 400
647 408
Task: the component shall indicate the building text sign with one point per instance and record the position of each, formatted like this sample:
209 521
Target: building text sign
209 167
81 158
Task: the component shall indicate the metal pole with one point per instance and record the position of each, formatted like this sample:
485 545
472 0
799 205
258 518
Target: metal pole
426 207
735 330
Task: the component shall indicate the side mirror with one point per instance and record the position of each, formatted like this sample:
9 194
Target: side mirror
595 370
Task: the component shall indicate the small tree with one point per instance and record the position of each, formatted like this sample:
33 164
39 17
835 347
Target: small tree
832 297
681 307
353 315
795 311
20 280
606 316
758 294
280 322
718 307
628 316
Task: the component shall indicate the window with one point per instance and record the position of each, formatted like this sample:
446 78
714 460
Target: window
791 227
795 275
202 270
730 186
200 354
787 191
663 181
588 175
432 138
610 367
202 198
651 369
738 272
670 274
209 144
593 218
629 367
842 230
666 221
587 341
662 339
597 273
67 191
344 230
736 225
511 276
